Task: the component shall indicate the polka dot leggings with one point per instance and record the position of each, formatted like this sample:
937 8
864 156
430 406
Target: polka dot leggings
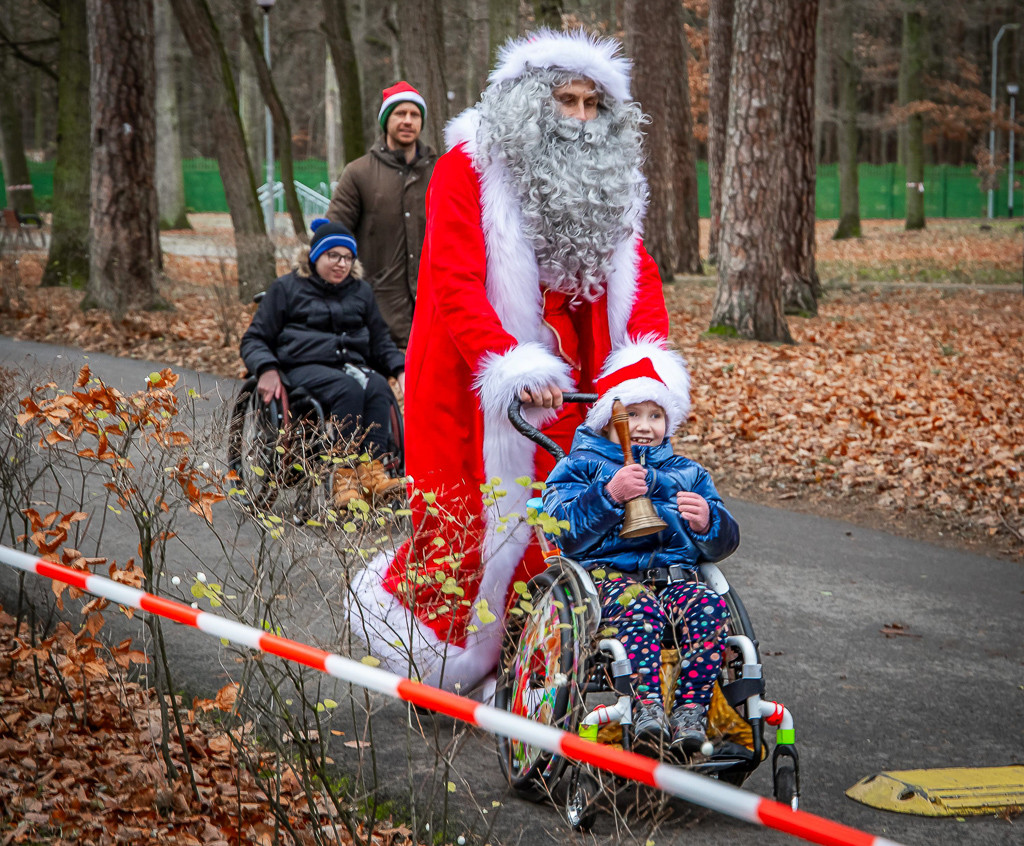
688 616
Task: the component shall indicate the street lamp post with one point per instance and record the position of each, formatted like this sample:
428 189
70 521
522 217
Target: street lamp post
268 205
1012 90
992 131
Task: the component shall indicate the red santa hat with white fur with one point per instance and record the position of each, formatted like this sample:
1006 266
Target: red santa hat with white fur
639 372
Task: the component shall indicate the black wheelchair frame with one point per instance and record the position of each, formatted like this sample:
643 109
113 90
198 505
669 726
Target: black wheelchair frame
553 659
269 452
280 445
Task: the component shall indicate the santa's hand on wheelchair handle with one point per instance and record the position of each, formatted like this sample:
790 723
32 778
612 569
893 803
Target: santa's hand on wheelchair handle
547 396
269 385
627 483
694 509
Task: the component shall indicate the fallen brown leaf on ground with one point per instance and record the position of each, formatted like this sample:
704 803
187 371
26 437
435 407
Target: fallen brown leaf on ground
900 407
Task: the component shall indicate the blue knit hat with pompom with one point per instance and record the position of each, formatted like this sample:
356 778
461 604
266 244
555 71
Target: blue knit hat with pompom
327 234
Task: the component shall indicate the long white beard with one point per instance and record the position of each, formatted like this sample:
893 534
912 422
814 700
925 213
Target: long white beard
579 184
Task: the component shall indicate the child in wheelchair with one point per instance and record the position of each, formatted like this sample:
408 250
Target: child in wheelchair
319 328
648 588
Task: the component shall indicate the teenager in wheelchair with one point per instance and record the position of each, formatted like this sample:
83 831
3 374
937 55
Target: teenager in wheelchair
633 607
319 354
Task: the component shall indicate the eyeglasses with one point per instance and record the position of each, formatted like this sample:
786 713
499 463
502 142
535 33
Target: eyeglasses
339 258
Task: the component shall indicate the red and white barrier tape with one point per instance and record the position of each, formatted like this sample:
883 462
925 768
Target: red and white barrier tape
699 790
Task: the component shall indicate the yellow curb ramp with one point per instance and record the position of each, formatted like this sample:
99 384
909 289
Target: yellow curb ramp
946 792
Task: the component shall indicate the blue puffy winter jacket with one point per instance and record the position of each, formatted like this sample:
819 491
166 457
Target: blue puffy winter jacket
576 493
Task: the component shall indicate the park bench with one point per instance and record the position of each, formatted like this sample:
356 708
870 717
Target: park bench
17 232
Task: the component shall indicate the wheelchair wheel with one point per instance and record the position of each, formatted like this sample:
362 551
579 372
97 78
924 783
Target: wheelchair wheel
252 447
395 461
784 786
581 801
539 659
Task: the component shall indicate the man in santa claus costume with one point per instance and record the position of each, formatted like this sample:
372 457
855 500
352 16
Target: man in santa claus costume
532 273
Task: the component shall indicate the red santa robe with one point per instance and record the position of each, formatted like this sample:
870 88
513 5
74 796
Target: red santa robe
484 328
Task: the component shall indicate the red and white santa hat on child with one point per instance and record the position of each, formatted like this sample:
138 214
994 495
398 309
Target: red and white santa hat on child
643 371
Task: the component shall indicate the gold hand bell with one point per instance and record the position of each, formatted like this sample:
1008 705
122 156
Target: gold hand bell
641 518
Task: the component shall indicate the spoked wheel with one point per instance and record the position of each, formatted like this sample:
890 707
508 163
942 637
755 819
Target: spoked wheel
252 449
539 654
581 801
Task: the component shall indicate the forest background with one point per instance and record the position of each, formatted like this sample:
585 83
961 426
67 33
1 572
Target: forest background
850 82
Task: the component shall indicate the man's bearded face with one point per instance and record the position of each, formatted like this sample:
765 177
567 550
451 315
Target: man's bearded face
578 182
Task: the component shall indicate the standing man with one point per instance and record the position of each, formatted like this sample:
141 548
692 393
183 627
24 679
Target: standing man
380 197
534 272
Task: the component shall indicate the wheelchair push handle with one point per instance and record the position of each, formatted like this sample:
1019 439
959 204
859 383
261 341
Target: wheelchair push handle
515 415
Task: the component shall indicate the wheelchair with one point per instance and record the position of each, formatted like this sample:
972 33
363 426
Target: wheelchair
289 444
557 669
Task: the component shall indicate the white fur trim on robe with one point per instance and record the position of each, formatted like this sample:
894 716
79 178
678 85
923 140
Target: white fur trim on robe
405 646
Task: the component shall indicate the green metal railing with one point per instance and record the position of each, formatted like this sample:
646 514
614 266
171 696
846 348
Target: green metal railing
949 191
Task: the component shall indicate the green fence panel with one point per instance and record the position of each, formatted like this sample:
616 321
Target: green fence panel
204 192
826 193
40 174
703 191
949 191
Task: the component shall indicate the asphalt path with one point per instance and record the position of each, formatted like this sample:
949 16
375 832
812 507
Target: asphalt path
947 691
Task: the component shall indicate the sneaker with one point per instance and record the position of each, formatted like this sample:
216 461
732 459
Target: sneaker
649 723
689 728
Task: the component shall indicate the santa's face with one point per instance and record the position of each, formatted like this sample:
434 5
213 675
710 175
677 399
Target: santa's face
646 424
577 99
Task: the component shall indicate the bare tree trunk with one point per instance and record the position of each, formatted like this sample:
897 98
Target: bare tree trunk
656 40
125 240
720 18
256 264
282 125
332 120
346 67
748 301
170 182
849 135
68 261
421 37
504 24
800 284
12 145
478 51
547 13
912 59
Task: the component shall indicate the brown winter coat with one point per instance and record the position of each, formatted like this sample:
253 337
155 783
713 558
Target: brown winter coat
382 200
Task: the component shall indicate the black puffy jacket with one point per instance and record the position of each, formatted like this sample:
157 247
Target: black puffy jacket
304 320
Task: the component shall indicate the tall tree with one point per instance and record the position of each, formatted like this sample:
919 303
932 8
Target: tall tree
478 57
282 125
421 35
912 72
256 263
748 301
849 135
68 261
123 216
720 17
12 142
503 24
800 284
170 182
655 38
547 13
346 69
